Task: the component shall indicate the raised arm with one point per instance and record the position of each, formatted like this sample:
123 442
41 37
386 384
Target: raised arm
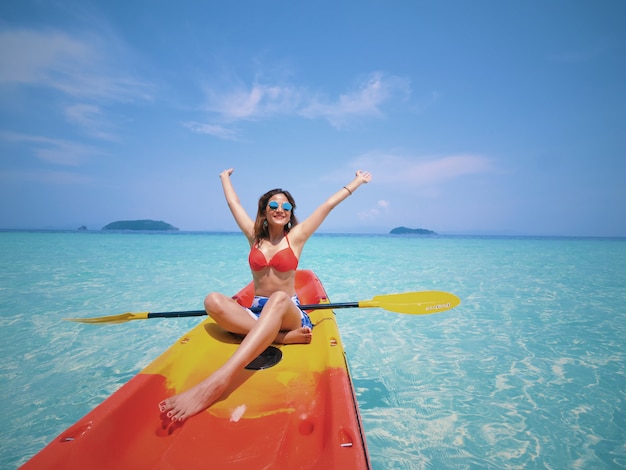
306 228
245 223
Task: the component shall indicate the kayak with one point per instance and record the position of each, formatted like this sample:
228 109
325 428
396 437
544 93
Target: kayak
293 407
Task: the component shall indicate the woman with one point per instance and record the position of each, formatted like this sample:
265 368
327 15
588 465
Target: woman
276 242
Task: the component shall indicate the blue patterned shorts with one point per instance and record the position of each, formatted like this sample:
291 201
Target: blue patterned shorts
259 302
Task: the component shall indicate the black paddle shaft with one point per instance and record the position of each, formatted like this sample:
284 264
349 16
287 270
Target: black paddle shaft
199 313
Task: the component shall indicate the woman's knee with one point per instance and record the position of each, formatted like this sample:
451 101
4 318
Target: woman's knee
213 303
280 298
279 303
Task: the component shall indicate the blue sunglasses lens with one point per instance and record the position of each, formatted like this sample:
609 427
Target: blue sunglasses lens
274 205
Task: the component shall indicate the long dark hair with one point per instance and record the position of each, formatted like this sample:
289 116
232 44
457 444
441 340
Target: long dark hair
261 231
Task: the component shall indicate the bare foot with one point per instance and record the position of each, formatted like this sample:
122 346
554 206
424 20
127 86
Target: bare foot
302 335
196 399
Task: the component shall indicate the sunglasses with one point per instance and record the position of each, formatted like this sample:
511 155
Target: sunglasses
273 205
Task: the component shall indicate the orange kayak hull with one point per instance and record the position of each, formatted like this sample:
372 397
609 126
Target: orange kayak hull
299 413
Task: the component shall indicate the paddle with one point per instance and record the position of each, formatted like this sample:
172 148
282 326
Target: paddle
412 303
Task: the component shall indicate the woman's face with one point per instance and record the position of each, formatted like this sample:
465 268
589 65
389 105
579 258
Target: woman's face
280 215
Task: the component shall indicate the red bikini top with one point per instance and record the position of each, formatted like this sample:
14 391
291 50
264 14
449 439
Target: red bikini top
283 261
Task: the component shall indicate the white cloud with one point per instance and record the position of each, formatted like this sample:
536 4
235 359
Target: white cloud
365 101
62 178
91 68
388 168
262 101
75 65
212 129
381 206
34 57
258 101
56 151
91 118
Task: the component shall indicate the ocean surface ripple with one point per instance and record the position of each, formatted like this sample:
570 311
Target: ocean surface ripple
529 372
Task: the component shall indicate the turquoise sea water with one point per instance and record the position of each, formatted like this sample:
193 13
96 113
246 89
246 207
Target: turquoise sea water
529 372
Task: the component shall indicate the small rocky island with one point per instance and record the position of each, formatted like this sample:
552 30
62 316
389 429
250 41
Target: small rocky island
411 231
158 225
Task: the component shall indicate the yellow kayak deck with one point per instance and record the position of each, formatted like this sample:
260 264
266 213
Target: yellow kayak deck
294 408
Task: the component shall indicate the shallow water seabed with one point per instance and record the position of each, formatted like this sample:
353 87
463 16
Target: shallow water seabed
527 372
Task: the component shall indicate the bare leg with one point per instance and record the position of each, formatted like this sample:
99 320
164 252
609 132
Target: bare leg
228 314
231 316
279 314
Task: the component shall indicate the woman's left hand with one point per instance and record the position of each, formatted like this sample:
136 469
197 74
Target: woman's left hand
363 176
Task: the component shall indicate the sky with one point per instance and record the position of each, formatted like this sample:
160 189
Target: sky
485 117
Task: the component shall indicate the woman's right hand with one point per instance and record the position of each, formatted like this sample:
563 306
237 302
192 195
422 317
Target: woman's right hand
227 172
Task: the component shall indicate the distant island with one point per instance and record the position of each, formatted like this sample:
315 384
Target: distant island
139 225
412 231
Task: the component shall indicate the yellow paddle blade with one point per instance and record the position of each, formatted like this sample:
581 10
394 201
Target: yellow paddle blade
121 318
424 302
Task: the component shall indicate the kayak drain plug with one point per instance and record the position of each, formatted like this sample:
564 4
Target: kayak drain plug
306 427
345 438
75 432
